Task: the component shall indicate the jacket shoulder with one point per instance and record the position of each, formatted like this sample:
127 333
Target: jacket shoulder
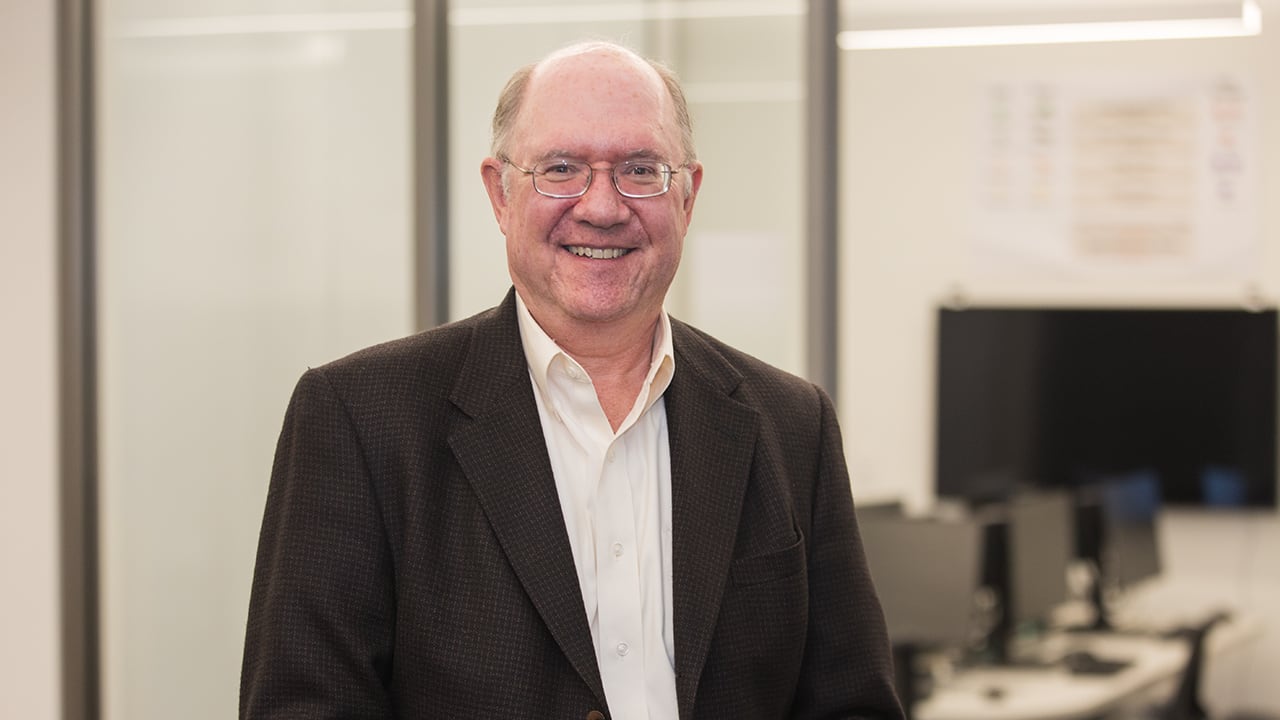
710 354
746 377
427 354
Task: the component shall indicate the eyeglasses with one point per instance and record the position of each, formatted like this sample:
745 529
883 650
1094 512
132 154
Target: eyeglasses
561 178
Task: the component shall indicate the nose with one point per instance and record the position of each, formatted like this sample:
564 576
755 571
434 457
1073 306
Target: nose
602 205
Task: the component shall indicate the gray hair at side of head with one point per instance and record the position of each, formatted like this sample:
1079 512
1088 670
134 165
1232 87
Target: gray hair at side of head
512 97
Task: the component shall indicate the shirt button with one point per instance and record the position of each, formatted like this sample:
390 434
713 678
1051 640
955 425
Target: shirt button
623 649
617 549
610 456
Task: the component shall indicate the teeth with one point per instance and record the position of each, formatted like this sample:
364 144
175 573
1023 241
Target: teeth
597 253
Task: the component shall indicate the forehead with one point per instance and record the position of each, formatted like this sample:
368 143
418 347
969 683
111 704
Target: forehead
598 105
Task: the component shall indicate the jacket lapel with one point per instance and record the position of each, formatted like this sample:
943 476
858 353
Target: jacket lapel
501 449
712 437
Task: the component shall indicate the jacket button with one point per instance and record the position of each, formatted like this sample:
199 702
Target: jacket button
595 715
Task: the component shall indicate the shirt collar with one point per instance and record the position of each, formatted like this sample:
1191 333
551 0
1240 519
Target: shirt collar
540 351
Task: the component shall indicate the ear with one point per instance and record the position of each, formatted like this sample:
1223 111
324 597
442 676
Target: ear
491 174
695 174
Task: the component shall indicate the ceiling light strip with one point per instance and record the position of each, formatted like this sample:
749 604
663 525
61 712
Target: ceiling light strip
1248 23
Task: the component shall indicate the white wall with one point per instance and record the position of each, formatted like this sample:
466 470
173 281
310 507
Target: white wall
29 669
910 149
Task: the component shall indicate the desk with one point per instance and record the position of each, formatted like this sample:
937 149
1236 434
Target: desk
1053 693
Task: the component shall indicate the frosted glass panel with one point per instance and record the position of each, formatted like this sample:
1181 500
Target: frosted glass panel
255 219
742 65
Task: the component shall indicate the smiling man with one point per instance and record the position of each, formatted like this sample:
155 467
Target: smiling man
572 505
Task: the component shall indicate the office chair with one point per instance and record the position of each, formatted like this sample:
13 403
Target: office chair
1186 704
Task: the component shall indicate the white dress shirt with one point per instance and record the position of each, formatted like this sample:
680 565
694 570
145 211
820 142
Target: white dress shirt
615 494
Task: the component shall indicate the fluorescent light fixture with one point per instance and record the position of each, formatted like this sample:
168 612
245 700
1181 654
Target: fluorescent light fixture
1247 22
264 24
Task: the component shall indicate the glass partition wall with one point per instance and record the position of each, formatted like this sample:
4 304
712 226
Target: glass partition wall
255 217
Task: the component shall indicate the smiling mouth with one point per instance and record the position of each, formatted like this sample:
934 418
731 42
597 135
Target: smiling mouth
597 253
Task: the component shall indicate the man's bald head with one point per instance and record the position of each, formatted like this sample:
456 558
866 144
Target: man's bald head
512 97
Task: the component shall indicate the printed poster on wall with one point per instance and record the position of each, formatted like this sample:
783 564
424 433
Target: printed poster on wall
1152 177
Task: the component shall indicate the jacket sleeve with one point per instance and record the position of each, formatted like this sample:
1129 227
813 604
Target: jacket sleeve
848 668
322 608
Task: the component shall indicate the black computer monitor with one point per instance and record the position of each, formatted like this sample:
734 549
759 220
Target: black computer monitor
1117 534
1041 547
1028 544
1090 525
925 572
1131 549
1052 396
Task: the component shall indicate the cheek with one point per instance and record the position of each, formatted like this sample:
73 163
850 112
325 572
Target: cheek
527 244
533 225
674 228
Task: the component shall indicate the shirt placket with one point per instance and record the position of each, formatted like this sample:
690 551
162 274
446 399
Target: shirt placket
618 623
622 651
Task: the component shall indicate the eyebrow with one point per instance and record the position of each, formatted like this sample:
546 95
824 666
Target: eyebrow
640 154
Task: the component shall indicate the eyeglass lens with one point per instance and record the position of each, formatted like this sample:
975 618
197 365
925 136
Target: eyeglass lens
633 178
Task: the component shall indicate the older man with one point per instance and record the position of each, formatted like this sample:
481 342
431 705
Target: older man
570 506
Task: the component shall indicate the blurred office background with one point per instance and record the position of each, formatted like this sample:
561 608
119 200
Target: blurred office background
256 174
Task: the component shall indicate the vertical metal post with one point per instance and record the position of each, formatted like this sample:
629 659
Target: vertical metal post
431 162
77 358
823 212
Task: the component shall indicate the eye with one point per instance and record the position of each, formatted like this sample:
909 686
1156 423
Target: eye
642 170
560 170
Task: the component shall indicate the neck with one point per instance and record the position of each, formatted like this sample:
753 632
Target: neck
617 355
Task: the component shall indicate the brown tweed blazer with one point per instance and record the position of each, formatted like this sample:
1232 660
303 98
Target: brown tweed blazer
413 561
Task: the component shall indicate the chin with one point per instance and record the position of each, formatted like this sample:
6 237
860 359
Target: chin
600 315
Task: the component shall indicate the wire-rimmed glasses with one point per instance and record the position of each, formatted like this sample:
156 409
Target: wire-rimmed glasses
563 178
